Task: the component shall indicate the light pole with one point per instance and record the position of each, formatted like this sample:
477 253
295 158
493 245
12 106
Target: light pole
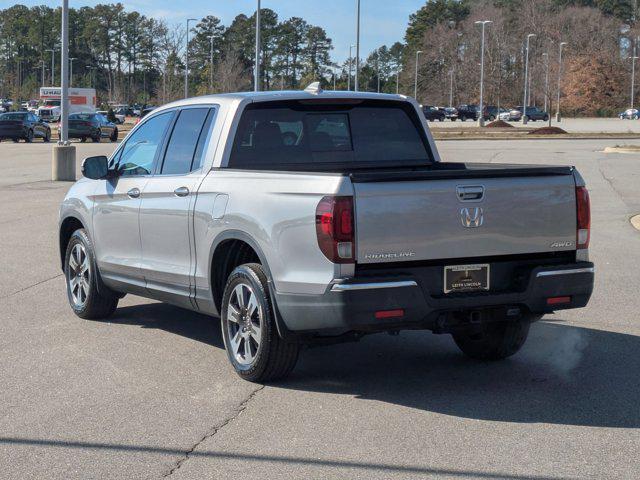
526 77
415 84
350 62
481 117
186 61
546 80
334 79
558 116
378 69
43 72
211 37
357 44
256 70
451 88
71 70
91 69
53 58
633 76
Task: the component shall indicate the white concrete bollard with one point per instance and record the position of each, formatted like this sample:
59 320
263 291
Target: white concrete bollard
63 163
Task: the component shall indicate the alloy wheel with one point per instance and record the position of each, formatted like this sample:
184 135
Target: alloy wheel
244 324
78 275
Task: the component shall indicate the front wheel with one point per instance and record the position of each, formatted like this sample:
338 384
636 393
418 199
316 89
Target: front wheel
29 137
495 340
251 339
97 137
85 299
47 136
114 135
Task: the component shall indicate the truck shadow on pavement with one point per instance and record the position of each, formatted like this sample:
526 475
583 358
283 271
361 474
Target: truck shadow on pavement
564 375
203 328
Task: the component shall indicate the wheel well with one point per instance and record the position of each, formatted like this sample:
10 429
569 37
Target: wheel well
226 257
69 225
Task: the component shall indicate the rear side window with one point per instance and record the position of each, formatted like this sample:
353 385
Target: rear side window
181 150
314 136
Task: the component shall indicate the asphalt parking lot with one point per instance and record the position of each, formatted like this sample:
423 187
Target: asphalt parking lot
149 393
571 125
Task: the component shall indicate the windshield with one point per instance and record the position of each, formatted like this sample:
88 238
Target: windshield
13 116
309 135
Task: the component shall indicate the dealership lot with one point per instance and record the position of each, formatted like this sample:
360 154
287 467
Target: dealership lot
571 125
149 393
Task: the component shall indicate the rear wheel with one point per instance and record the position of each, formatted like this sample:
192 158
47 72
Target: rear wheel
97 137
495 340
15 140
47 136
114 135
492 118
83 139
251 339
85 299
29 137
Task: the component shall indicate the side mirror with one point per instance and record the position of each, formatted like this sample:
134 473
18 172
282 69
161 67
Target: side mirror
96 168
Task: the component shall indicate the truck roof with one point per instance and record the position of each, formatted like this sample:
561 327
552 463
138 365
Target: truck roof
228 98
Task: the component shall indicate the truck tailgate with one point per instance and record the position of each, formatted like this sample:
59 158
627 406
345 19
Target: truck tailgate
463 216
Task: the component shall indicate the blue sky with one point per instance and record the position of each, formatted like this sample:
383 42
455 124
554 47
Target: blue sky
383 21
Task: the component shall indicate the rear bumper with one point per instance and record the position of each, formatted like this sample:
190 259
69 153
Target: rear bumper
352 305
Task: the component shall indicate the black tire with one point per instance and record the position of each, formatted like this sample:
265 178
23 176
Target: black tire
83 139
463 118
114 135
496 341
97 137
274 358
15 140
47 136
97 304
492 118
29 137
546 118
453 119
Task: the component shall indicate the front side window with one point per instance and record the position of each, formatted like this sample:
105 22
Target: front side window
181 150
140 150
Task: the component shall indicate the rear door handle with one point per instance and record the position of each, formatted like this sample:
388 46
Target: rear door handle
134 192
181 191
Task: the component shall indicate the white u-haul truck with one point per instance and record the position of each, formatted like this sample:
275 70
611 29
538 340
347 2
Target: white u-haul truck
80 100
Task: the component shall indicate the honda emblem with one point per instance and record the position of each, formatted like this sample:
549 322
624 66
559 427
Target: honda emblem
471 217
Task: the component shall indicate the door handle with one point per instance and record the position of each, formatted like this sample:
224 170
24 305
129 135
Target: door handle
181 191
470 194
134 192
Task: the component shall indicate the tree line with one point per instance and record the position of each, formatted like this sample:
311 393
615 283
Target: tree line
129 57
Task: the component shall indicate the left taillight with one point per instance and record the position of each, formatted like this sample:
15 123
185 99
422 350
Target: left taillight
583 217
335 229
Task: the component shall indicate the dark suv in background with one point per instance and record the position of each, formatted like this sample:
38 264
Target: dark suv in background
433 113
534 113
468 112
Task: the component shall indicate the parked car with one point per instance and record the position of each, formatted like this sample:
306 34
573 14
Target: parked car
468 112
451 113
432 113
23 125
629 114
246 206
491 112
91 125
506 114
534 113
144 112
119 117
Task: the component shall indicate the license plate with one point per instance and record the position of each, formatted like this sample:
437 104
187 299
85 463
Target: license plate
466 278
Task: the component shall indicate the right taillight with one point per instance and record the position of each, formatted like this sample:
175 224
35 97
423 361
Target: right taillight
334 228
583 215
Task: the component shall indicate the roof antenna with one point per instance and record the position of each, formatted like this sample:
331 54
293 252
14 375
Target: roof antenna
314 88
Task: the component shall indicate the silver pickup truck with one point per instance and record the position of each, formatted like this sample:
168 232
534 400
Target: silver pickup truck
314 217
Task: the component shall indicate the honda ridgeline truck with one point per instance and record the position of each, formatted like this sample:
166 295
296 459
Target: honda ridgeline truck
313 216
